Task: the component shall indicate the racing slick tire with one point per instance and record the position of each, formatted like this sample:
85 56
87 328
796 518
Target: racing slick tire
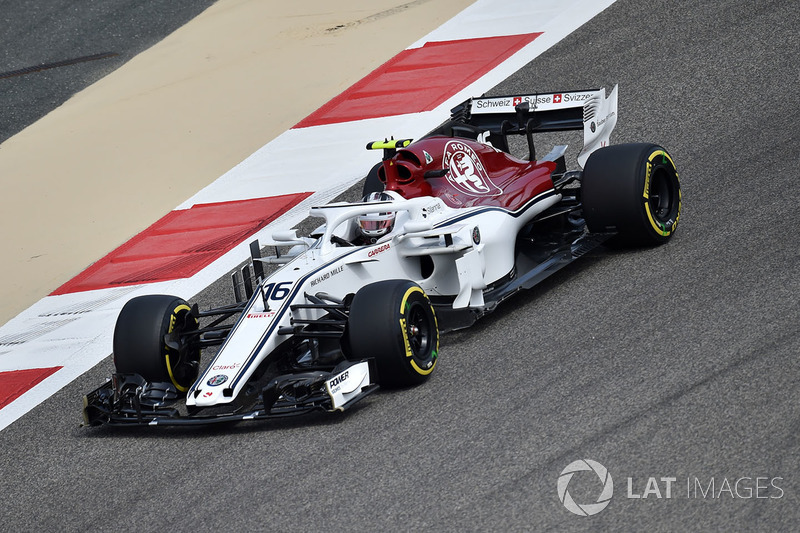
393 322
632 189
140 346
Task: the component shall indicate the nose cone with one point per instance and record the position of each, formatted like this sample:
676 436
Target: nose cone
210 392
207 397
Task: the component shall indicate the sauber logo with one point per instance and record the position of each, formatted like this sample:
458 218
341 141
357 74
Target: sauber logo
467 173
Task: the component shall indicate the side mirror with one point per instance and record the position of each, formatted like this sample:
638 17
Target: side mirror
416 226
285 236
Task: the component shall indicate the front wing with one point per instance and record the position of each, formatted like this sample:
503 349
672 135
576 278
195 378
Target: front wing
129 400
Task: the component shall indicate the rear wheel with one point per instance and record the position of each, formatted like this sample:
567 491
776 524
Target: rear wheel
144 327
393 322
632 189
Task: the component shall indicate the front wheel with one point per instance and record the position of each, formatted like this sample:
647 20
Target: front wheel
144 327
393 322
632 189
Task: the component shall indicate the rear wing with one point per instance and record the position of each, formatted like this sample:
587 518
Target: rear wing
499 116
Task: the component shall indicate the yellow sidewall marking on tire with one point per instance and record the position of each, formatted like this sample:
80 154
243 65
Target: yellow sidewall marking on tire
405 298
653 222
646 192
175 311
423 371
409 353
663 154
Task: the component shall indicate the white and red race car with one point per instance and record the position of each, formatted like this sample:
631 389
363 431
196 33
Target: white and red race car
451 225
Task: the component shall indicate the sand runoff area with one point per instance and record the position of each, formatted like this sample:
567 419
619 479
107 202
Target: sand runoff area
130 148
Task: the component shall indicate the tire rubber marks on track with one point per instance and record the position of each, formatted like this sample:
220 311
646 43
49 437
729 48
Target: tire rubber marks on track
56 64
378 16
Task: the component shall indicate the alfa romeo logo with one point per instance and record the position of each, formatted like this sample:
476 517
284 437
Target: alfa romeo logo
586 509
467 173
217 380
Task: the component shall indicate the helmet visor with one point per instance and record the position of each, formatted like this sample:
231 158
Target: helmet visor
376 225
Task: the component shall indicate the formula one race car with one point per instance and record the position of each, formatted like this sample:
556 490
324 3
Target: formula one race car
451 225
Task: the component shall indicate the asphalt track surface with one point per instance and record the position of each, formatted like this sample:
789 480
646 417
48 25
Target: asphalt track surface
679 361
48 50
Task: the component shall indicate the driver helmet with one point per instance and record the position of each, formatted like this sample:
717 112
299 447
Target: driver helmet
373 226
